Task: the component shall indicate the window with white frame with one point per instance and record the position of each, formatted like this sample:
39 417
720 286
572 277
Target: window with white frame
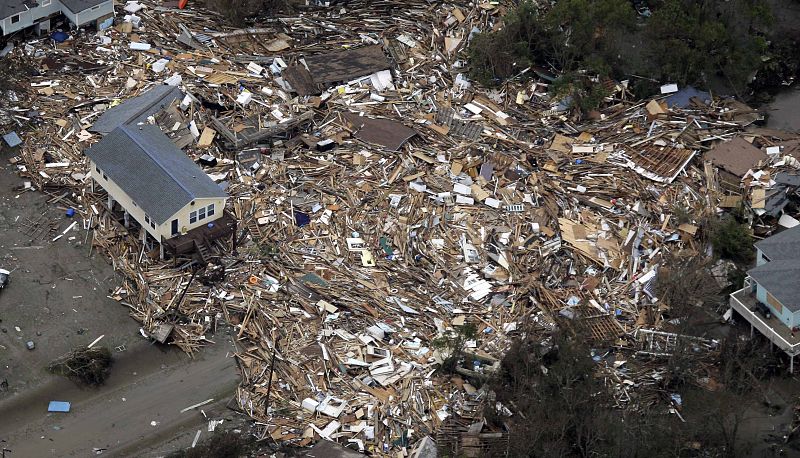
146 219
45 2
201 214
15 18
210 210
192 217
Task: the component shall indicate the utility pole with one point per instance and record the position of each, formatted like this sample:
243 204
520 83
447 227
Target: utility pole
183 293
272 368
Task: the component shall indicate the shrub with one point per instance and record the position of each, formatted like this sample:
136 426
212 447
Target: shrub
237 11
732 240
452 346
90 366
685 42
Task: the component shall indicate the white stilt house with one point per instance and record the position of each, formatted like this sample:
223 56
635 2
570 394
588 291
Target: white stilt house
154 182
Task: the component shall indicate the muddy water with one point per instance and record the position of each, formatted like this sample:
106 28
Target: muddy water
784 111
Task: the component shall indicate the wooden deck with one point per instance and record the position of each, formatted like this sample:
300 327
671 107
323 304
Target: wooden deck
201 236
773 329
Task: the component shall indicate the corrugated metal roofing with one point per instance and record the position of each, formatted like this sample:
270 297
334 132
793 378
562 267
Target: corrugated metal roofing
159 177
137 109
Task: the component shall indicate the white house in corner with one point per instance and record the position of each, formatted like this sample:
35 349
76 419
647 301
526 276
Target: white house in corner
16 15
154 181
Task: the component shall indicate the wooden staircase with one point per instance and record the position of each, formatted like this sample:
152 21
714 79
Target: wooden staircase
255 231
203 251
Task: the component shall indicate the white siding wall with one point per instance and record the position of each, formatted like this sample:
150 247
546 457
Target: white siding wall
124 200
44 11
162 230
760 258
184 214
90 15
70 15
25 20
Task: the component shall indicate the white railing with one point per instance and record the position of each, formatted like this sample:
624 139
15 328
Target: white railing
761 325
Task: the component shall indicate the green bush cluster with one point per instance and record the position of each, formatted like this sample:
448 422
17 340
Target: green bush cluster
687 42
732 240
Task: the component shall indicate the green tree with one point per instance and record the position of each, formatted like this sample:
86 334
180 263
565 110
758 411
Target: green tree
732 240
692 41
452 346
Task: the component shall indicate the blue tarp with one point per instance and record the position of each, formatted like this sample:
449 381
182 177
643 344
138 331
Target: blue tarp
106 24
58 406
12 139
59 36
301 219
682 98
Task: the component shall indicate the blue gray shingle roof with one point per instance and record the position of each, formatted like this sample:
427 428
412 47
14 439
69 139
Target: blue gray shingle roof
783 245
12 7
137 109
159 177
76 6
780 278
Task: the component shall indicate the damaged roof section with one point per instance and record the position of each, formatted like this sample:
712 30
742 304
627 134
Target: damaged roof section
137 109
323 70
384 132
658 163
736 156
687 96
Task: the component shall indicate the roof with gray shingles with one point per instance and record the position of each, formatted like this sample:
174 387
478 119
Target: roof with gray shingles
137 109
780 278
12 7
76 6
782 246
159 177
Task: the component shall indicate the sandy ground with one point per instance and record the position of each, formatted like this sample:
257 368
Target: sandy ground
58 299
784 111
139 408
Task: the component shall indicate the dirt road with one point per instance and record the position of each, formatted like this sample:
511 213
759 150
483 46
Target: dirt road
146 385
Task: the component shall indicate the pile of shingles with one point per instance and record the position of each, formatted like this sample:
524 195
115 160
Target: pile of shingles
384 201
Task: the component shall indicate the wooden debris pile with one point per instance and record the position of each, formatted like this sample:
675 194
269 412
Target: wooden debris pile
382 200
